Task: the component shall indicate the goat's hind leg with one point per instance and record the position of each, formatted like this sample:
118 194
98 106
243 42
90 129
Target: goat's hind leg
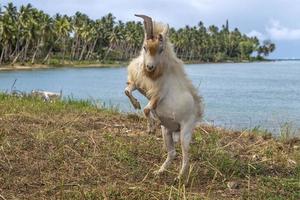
169 145
128 91
151 124
185 139
150 113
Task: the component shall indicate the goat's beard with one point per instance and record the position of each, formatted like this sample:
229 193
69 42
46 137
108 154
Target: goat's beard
155 73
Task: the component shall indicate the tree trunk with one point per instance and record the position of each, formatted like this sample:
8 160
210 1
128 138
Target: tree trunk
64 51
2 54
82 51
7 52
25 51
50 50
74 47
77 50
35 52
16 50
91 50
47 56
107 52
16 58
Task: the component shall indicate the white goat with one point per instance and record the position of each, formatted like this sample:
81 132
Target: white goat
159 75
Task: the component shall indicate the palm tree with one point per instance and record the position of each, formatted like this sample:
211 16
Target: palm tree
29 34
62 28
8 30
42 27
267 48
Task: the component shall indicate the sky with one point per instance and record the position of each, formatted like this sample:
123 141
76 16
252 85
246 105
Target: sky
277 20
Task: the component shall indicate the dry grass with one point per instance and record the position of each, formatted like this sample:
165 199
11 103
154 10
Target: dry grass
71 150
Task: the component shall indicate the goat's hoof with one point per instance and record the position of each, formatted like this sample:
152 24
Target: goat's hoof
150 131
176 180
126 92
136 105
147 111
179 180
158 172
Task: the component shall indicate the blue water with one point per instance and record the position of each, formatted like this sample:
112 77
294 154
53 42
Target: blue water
236 96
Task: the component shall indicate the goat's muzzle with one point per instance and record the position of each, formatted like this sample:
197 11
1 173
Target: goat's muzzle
150 68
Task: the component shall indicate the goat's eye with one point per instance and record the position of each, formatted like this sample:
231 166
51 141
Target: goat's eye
144 48
161 50
160 37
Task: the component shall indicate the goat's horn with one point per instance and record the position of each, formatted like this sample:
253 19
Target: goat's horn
148 25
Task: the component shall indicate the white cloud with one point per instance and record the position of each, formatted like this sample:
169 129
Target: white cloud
278 32
255 33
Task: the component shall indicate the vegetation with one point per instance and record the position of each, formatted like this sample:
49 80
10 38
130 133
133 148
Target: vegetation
73 150
28 36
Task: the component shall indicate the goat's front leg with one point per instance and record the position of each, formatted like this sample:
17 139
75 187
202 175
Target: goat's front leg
151 106
128 91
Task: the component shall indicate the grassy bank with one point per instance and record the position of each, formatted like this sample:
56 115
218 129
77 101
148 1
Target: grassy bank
72 150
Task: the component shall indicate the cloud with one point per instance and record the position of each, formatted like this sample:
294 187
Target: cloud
255 33
278 32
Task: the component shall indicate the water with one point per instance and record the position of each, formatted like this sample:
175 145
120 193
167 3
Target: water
236 96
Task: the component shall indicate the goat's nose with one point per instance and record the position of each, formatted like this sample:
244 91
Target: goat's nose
150 67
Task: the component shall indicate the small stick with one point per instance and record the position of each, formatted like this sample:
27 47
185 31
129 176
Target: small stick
13 85
2 197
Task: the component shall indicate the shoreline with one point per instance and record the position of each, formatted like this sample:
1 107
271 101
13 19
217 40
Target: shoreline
17 67
43 66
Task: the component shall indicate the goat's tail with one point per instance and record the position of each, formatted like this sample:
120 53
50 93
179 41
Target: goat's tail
198 100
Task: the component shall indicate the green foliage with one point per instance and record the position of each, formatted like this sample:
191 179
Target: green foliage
287 131
54 61
267 48
28 35
37 105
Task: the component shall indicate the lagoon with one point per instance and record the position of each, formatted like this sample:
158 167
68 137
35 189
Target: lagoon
236 95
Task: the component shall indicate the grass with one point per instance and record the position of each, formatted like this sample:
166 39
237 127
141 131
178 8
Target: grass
75 150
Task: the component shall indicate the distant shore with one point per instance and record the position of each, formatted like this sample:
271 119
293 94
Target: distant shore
19 66
9 67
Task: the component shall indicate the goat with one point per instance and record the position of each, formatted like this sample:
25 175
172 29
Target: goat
159 75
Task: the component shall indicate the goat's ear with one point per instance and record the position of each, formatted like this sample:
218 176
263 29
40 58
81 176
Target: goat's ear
165 31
